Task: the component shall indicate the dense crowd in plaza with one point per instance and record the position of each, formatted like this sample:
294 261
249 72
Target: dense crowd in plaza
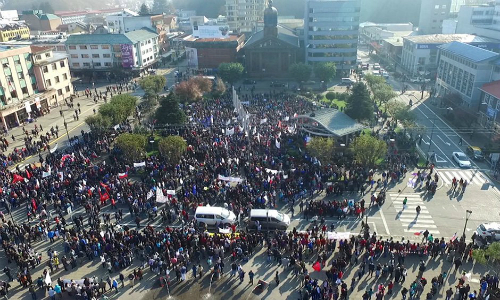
79 177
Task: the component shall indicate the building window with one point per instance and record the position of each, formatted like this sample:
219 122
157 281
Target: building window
48 83
45 69
104 46
62 64
107 64
95 55
59 92
97 64
72 47
54 67
83 47
67 88
38 56
77 65
47 54
85 56
86 65
74 55
65 76
94 47
106 55
25 90
56 79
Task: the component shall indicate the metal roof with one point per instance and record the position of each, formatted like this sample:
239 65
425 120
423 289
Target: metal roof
469 52
131 37
448 38
284 35
334 122
141 35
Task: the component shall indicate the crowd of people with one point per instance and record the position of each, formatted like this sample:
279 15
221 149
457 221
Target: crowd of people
269 154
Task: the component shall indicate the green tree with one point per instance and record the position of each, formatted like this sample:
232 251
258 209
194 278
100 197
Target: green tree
368 149
383 93
322 148
231 72
373 80
169 111
153 84
325 71
132 146
160 6
359 106
144 10
330 96
119 108
300 72
489 256
401 112
172 148
98 122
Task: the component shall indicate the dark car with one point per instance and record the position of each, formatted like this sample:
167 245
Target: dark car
277 84
248 81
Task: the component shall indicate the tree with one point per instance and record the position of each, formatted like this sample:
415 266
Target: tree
132 146
325 71
172 147
98 122
300 72
160 6
231 72
322 148
169 111
188 91
330 96
359 105
153 84
119 108
368 149
401 112
220 87
383 93
489 256
204 84
373 80
144 10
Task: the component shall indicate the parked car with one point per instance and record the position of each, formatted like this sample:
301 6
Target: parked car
475 152
376 67
489 231
461 159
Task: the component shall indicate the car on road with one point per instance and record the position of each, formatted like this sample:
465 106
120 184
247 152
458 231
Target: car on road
475 152
277 84
461 159
489 231
248 81
376 67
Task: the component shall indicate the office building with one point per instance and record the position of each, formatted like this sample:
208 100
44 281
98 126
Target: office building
37 20
243 15
483 20
12 30
331 32
432 14
420 52
134 51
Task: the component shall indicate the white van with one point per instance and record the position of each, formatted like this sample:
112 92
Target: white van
212 215
348 81
269 219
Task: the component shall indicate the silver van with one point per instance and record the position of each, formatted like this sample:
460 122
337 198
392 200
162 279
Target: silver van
348 81
212 215
268 219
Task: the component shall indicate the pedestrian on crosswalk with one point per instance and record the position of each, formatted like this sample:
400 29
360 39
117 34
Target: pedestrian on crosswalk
405 200
454 184
464 185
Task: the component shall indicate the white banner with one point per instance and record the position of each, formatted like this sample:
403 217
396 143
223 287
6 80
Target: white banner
230 179
141 164
278 144
150 194
262 121
230 131
171 192
160 198
53 149
338 235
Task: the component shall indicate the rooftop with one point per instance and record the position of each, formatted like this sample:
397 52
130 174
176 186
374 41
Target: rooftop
111 39
230 38
448 38
141 35
284 35
492 88
395 41
469 52
333 122
9 47
49 17
54 58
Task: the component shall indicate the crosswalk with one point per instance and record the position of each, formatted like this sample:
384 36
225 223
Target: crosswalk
408 215
472 176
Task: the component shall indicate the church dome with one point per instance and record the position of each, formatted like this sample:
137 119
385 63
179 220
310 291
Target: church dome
270 15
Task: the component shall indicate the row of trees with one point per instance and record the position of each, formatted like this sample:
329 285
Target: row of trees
366 149
116 111
194 88
133 147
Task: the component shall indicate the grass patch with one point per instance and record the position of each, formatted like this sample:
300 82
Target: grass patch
340 103
152 150
422 162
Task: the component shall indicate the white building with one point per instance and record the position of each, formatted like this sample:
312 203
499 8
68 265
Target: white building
373 32
135 50
126 21
483 20
243 15
420 52
464 69
432 14
9 15
210 28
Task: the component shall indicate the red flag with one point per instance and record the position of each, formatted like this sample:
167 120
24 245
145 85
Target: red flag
17 178
104 196
33 204
317 266
106 187
123 175
28 174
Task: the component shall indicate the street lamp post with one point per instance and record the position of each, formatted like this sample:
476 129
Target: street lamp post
467 216
66 127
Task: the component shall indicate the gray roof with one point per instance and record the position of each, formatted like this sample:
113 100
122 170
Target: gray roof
284 35
131 37
334 121
469 52
448 38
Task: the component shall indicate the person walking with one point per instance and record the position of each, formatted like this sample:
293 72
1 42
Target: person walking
251 275
405 200
449 293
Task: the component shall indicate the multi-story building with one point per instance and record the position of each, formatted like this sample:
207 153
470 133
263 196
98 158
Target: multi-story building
490 104
38 21
10 30
243 15
126 21
482 20
135 50
331 32
464 69
85 16
456 5
210 28
52 72
373 32
19 93
432 14
420 52
211 52
9 15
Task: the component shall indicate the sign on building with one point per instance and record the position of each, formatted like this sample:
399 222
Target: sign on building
127 55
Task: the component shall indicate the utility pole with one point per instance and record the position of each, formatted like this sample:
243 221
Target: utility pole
430 139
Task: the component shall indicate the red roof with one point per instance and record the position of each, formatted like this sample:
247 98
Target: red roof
492 88
38 49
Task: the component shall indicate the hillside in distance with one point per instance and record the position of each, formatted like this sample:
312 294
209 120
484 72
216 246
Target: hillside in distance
72 5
